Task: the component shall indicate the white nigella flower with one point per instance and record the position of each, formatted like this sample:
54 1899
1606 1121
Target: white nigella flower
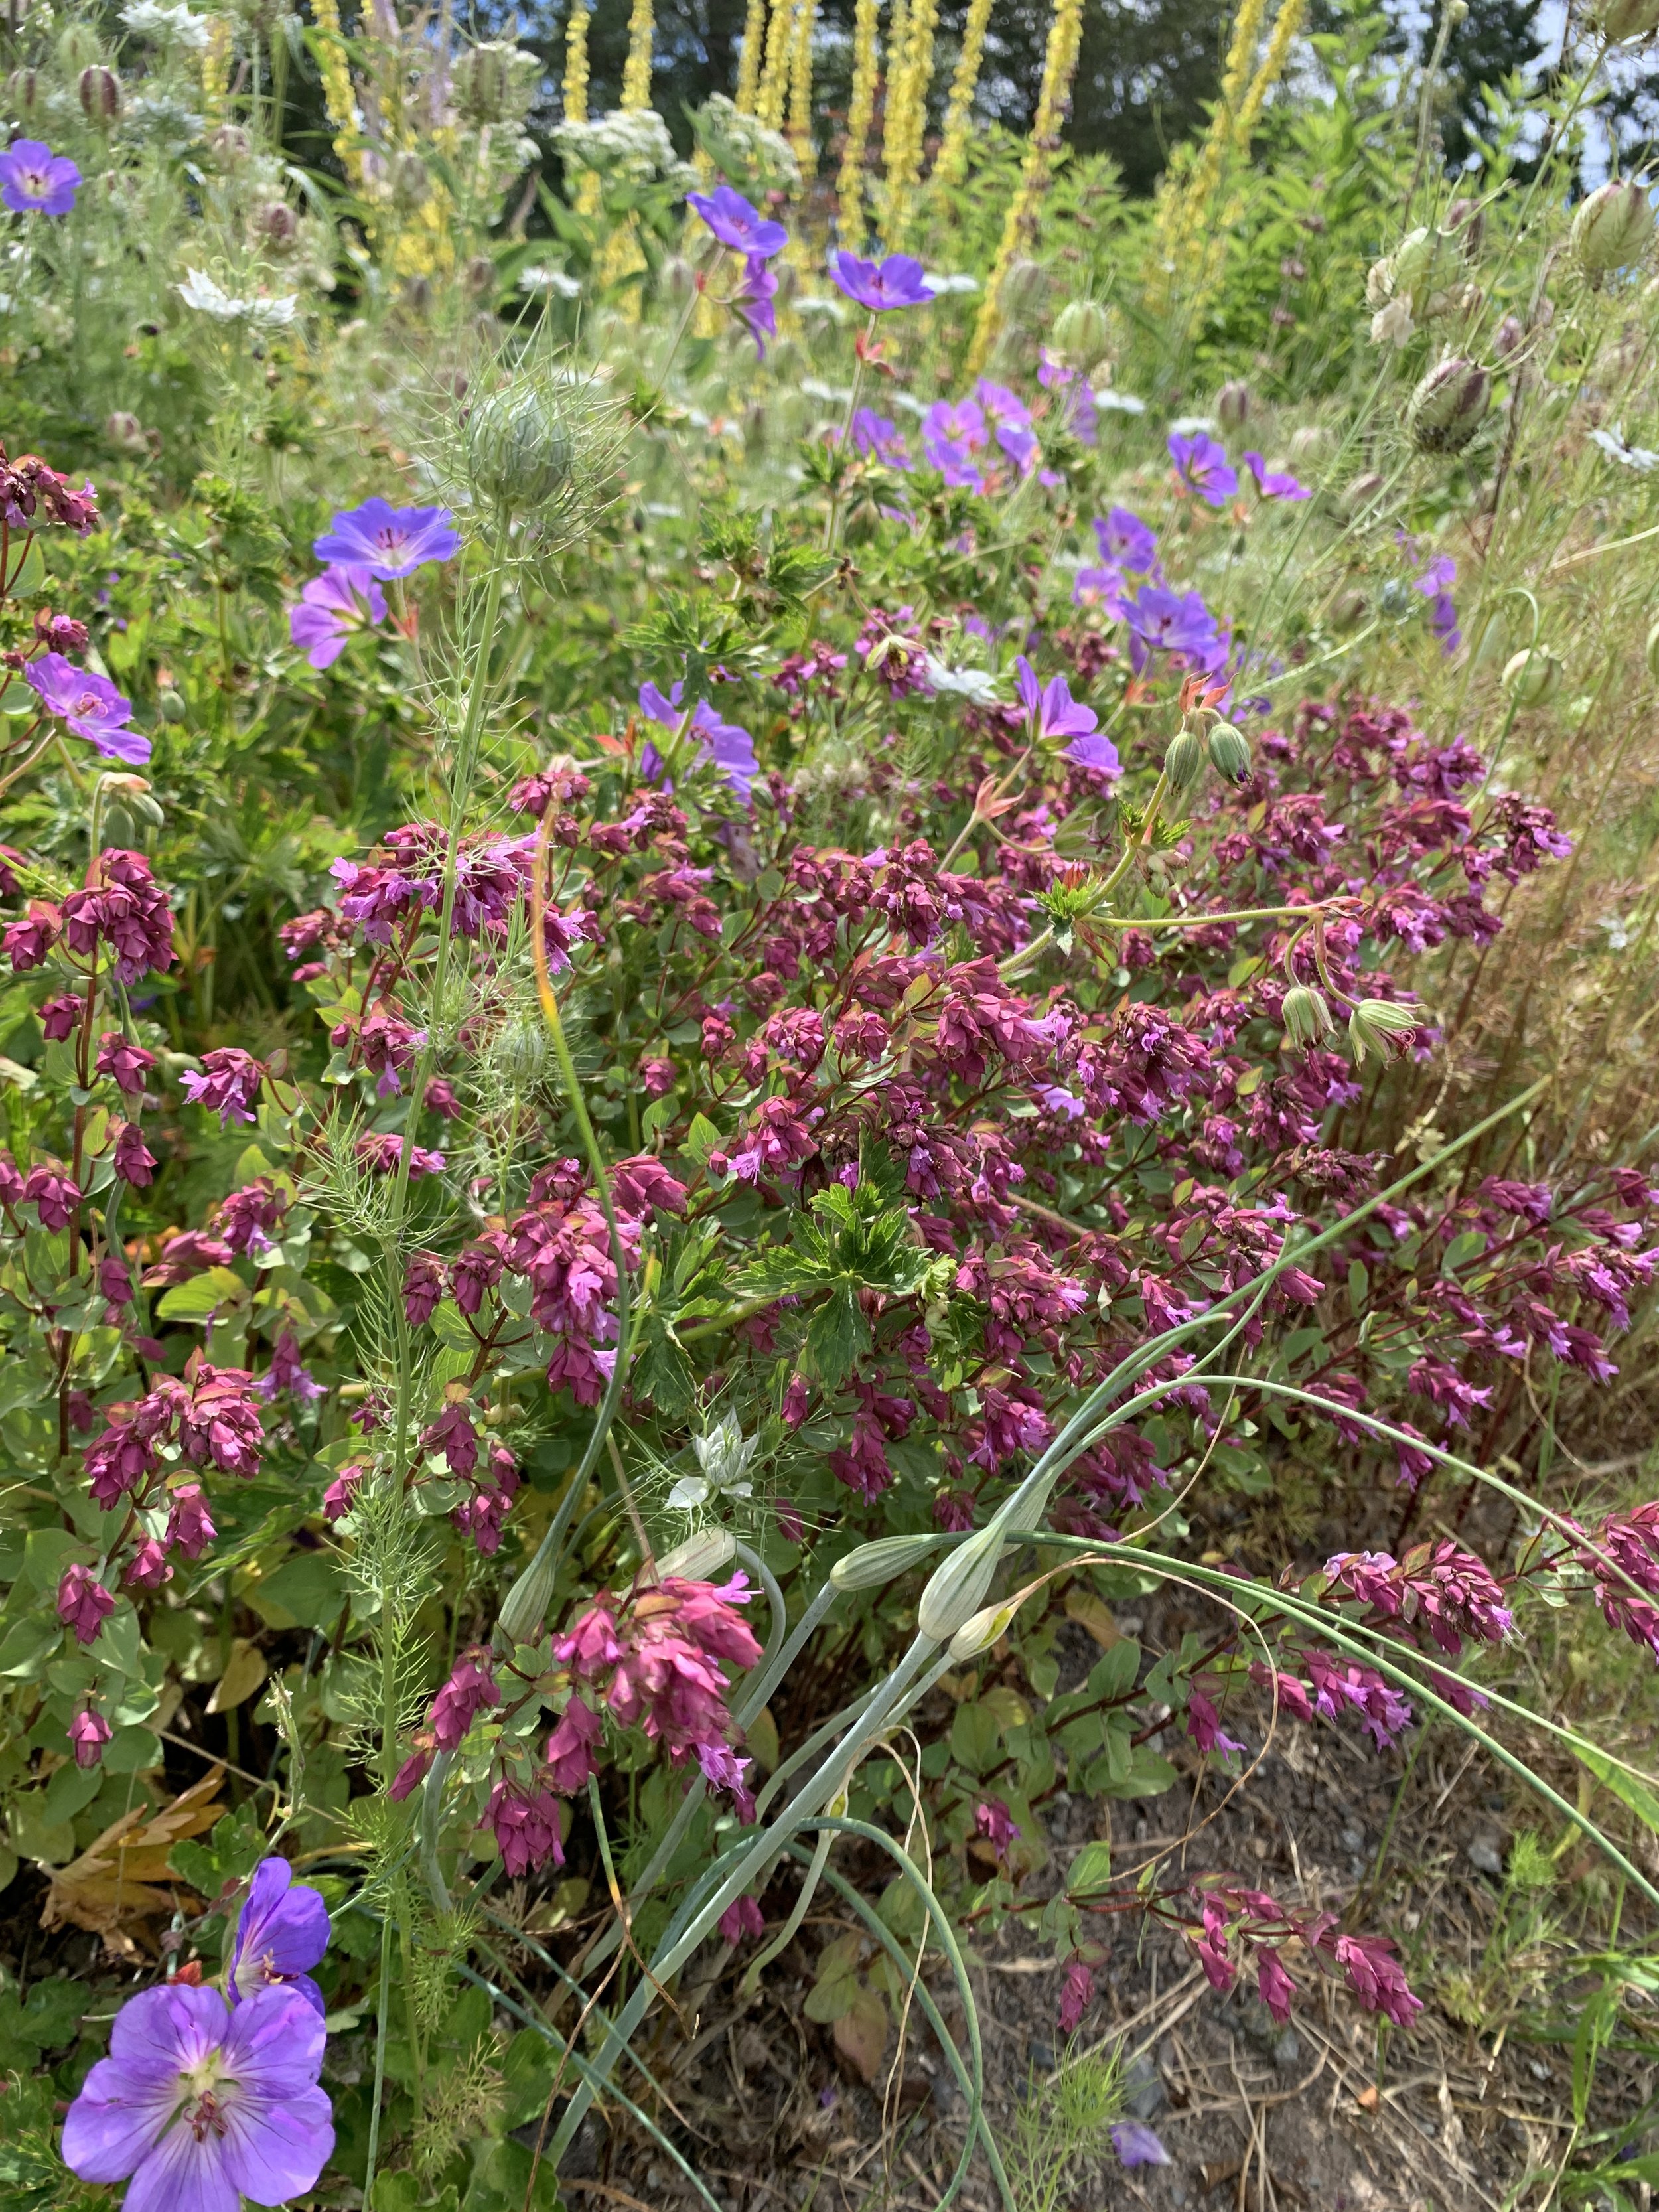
723 1454
208 297
1612 443
1393 325
977 686
550 280
166 26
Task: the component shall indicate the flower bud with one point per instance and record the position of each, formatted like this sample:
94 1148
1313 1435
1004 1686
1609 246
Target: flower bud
1024 285
23 91
276 226
125 431
1232 404
1532 677
1507 336
525 1604
1305 1014
1360 492
1348 610
520 451
700 1559
1378 1026
1494 645
479 275
1466 221
1449 405
957 1587
1183 762
883 1561
1618 20
1230 753
1082 334
1613 229
1310 443
980 1633
172 705
101 93
1653 650
230 145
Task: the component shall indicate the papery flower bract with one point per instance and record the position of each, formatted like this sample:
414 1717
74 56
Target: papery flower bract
471 1690
83 1603
1077 1995
90 705
330 607
525 1825
127 1065
228 1085
742 1919
737 224
1202 466
88 1732
996 1824
201 2105
897 282
190 1526
282 1932
34 180
570 1758
387 540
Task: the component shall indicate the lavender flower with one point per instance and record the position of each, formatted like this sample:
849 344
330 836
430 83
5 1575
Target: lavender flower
91 706
728 745
1201 464
896 283
202 2106
1273 485
34 180
331 606
282 1929
737 224
389 541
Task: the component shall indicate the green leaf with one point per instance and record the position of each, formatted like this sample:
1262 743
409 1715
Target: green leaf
701 1138
1630 1789
309 1589
836 1337
975 1737
211 1293
1091 1870
1149 1774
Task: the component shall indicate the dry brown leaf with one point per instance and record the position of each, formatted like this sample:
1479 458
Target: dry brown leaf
1093 1614
115 1879
860 2033
245 1670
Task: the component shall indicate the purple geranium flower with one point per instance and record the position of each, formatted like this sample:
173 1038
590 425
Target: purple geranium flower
727 744
737 224
330 607
1273 483
202 2106
896 283
90 704
753 301
877 436
1127 542
282 1929
1172 622
1435 584
1201 464
1054 712
389 541
34 180
1136 2145
1020 445
1002 406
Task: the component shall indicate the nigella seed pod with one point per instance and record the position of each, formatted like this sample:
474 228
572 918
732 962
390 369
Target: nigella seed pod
1305 1014
1358 493
1449 405
276 226
1310 443
1618 20
1378 1028
1082 334
101 93
23 90
230 145
522 1053
1532 677
493 82
1613 228
1466 221
125 431
883 1561
1508 335
521 450
1230 753
1183 762
1232 404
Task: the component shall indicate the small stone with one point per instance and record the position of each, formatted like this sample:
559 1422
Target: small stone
1042 2056
1287 2048
1486 1854
1145 2094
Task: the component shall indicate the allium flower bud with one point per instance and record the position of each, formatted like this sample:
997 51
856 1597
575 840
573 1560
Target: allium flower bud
1082 334
1379 1027
1230 752
980 1633
957 1590
1613 229
1183 761
101 93
1306 1017
520 450
526 1605
700 1559
1532 677
1620 20
1449 405
883 1561
1232 404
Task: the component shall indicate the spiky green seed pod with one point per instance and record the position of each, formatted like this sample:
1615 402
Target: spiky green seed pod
1082 334
1232 404
1449 405
1306 1017
1613 229
520 451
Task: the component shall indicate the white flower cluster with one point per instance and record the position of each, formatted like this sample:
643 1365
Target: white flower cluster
744 148
633 145
208 297
165 27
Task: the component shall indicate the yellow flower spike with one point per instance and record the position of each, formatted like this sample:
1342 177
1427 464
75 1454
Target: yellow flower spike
860 109
800 91
216 69
953 146
337 96
636 75
1059 67
754 52
907 127
775 80
576 65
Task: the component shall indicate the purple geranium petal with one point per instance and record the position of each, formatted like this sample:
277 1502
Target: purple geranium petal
1051 706
282 1930
1126 541
199 2106
877 437
737 224
34 180
330 607
89 704
389 541
1271 483
752 302
1095 750
1136 2145
896 283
